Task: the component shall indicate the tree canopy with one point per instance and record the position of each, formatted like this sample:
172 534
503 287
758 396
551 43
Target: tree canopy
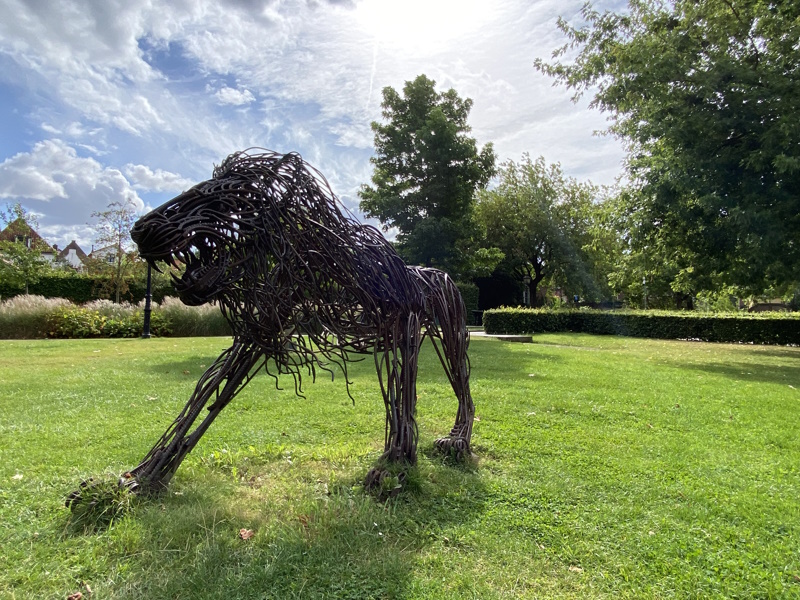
544 224
706 96
117 259
426 171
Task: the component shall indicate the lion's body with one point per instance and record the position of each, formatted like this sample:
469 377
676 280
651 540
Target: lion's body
303 285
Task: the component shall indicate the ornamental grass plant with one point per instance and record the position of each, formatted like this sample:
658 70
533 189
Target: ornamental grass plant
189 321
29 317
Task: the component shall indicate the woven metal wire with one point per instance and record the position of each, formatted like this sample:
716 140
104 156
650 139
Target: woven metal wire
305 287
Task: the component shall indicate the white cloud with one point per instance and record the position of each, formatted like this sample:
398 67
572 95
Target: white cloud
233 96
144 178
21 177
62 187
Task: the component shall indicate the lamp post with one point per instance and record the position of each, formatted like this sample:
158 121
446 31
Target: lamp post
644 290
526 292
147 297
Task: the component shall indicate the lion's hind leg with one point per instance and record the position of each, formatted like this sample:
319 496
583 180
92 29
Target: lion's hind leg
448 332
396 364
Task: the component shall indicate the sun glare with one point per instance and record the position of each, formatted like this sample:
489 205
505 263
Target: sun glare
420 25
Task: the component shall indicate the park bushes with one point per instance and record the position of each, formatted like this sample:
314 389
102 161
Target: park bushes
774 328
27 317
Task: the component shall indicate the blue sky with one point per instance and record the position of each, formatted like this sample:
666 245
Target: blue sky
104 100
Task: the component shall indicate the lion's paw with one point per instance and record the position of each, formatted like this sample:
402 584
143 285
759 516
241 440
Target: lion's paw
384 483
457 447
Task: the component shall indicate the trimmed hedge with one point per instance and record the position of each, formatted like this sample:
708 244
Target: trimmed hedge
775 328
79 289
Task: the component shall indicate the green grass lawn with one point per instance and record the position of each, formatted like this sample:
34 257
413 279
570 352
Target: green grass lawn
606 468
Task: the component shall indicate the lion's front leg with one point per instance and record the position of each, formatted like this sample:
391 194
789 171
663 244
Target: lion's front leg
221 382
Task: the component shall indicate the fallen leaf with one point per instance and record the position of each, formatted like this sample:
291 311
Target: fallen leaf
575 569
186 372
651 533
650 426
18 476
246 534
75 596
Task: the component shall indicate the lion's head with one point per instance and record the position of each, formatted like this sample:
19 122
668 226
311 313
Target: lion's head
215 228
196 230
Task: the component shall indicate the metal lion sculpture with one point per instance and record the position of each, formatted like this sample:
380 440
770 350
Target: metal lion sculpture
303 285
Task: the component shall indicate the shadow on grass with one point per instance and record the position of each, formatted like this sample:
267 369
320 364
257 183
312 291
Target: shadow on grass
306 543
761 351
780 374
189 369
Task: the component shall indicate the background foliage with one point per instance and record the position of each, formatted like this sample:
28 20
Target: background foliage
27 317
705 95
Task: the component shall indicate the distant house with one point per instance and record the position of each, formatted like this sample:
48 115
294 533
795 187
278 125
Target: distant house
19 231
107 254
73 255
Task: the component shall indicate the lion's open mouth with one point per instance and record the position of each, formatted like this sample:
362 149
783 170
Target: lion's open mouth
204 268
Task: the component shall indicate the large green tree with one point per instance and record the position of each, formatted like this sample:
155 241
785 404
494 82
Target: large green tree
706 96
427 169
548 227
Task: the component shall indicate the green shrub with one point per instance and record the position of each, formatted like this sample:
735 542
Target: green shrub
76 322
764 328
85 322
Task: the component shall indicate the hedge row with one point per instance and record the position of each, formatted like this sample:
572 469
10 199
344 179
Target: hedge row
774 328
84 288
